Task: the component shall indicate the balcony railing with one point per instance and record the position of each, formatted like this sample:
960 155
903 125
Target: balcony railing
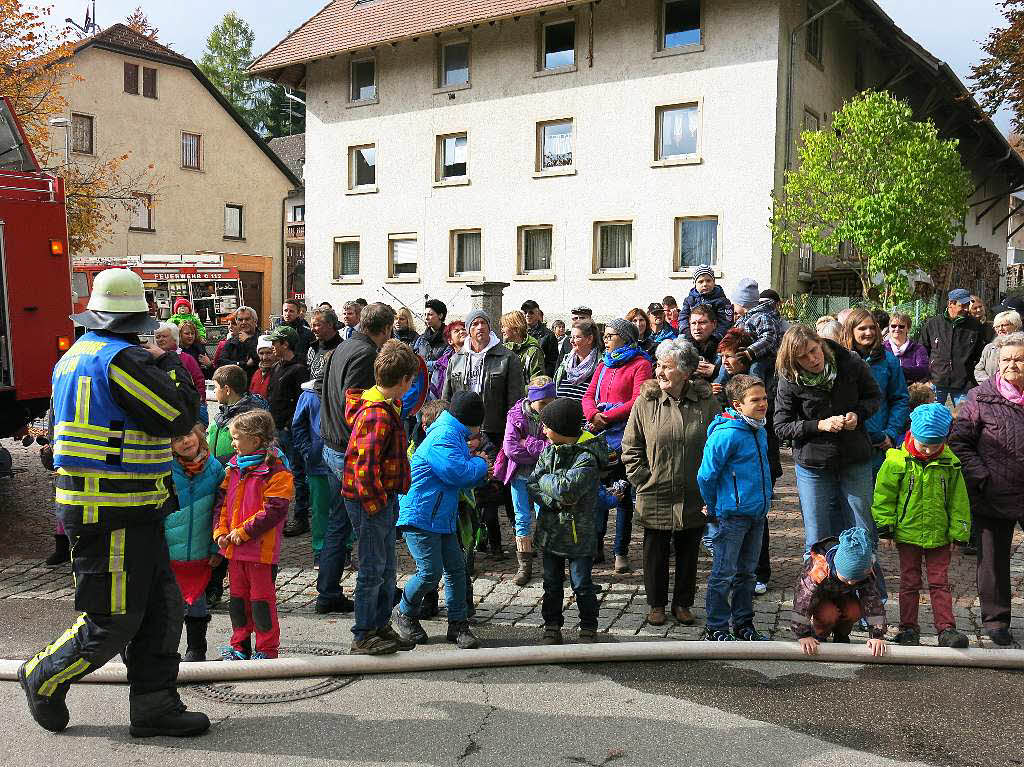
295 231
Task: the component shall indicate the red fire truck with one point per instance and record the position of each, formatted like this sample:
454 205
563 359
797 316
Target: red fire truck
35 279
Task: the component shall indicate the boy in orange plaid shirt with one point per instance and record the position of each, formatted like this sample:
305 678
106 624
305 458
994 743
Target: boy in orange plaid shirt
376 472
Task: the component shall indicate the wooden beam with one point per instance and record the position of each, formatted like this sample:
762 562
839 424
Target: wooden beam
1003 220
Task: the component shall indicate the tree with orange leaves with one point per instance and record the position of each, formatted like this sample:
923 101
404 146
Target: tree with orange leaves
999 76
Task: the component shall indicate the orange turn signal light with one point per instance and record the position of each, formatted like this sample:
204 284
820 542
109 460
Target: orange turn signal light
63 343
56 248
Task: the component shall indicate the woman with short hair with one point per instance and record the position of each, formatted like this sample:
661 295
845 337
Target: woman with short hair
913 357
515 333
642 322
1003 323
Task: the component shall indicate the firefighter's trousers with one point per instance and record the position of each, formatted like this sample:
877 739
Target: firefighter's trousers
129 601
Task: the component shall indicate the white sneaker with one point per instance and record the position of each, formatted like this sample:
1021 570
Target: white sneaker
760 588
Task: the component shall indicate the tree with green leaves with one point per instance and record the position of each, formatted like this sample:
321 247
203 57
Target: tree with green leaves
882 184
226 61
286 112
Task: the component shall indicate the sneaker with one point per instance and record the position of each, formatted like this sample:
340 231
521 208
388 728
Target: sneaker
50 713
1001 636
760 588
230 653
388 632
622 564
257 656
340 605
552 635
295 527
953 638
373 644
717 635
410 629
910 636
462 636
749 634
588 636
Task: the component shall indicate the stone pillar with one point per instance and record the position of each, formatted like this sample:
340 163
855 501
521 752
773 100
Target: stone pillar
488 296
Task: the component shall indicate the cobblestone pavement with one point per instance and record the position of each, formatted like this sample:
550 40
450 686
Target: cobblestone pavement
26 515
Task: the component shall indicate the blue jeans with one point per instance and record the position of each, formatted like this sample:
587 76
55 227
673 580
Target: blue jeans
737 543
378 566
522 506
433 553
336 535
582 586
298 467
957 395
833 500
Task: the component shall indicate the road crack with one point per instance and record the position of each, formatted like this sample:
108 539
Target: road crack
473 746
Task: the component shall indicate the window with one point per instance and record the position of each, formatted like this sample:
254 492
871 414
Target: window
131 78
806 258
680 24
465 252
815 33
233 222
696 242
554 145
452 154
149 82
298 213
678 131
191 151
142 213
1018 255
346 257
558 45
402 256
454 64
614 245
364 80
82 133
811 120
534 249
362 166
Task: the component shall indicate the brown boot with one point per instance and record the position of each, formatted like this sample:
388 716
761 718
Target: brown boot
656 617
683 615
524 553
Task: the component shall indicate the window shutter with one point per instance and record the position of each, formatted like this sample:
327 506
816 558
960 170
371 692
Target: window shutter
131 78
149 82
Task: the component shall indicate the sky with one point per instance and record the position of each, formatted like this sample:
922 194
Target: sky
952 30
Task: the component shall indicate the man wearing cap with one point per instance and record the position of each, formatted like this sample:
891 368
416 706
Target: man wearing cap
954 341
582 313
114 411
283 392
538 329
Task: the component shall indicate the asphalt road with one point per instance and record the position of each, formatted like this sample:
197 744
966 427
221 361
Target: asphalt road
697 713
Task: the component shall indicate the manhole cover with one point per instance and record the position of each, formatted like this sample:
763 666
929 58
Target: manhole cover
274 690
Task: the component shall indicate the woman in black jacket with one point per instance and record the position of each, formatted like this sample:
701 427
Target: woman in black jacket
825 395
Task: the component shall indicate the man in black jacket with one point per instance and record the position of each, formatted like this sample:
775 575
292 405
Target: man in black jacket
537 328
240 349
291 315
325 331
283 392
954 340
350 367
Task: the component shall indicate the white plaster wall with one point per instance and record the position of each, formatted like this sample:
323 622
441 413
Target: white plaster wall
613 105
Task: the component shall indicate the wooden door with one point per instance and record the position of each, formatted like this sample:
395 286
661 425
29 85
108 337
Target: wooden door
252 291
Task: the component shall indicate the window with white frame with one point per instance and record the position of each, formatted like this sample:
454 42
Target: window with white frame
453 67
298 213
613 243
680 24
233 223
364 80
806 259
554 145
535 249
346 257
191 151
696 241
452 156
402 257
141 213
678 129
558 45
466 255
362 166
82 133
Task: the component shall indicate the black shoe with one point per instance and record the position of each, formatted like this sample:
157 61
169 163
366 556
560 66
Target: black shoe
61 551
840 639
409 629
1001 636
340 605
749 634
50 713
552 635
717 635
297 526
968 550
195 639
403 643
909 637
953 638
428 607
177 723
588 636
462 636
373 644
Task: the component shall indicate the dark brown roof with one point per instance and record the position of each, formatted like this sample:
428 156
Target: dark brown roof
344 25
291 150
125 39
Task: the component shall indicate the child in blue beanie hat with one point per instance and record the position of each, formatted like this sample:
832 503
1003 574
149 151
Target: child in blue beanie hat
835 589
921 507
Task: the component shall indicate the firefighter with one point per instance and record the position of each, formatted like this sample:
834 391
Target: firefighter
115 407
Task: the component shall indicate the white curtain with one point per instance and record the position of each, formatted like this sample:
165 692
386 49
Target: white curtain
536 249
698 242
616 241
467 256
403 257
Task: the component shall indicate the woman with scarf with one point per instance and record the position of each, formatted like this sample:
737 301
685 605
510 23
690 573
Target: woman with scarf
617 381
986 437
825 397
572 379
639 318
912 356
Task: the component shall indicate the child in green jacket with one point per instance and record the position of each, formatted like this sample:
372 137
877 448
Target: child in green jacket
921 507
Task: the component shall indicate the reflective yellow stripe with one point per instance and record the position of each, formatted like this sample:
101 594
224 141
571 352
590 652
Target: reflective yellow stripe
118 582
91 511
141 438
86 430
82 396
146 456
143 393
81 498
79 450
78 668
101 474
55 645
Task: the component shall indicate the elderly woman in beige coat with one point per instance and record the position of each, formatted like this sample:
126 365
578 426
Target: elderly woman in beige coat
662 450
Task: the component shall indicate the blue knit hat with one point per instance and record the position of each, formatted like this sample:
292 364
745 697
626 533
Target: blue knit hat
855 554
930 423
747 293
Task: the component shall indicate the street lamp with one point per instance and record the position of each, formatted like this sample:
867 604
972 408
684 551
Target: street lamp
65 123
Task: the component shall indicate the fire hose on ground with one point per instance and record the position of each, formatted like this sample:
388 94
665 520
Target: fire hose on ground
604 652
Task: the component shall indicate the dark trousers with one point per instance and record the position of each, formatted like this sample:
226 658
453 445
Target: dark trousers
298 466
129 600
763 572
995 537
582 586
658 545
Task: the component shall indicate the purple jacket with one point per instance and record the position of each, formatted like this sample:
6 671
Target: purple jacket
524 442
914 362
988 438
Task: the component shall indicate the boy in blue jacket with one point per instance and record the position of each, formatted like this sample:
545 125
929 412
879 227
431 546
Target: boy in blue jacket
442 467
735 481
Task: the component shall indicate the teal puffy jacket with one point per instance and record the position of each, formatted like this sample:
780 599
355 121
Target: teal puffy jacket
189 530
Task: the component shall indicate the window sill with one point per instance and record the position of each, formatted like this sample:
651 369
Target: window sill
559 71
234 239
687 273
613 276
671 162
192 170
461 181
363 190
408 279
818 64
534 277
140 230
554 172
678 51
805 276
467 277
362 103
452 88
353 279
